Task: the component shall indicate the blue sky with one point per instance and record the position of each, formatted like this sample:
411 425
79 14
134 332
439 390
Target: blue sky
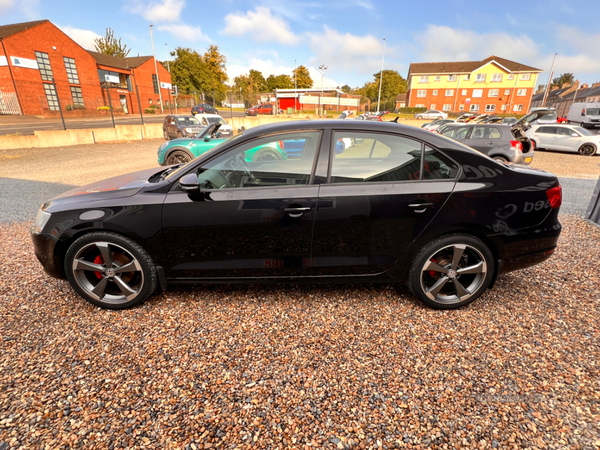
346 35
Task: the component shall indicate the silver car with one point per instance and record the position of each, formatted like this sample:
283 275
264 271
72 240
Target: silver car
431 114
570 138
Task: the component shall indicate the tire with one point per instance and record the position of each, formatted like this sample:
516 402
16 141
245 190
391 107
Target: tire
434 264
267 154
500 159
535 145
587 150
166 135
419 117
107 287
582 125
178 157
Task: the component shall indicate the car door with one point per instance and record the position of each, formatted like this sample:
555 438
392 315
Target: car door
549 135
172 126
382 192
484 138
565 140
254 219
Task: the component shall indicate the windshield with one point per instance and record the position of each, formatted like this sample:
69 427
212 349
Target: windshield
583 131
188 121
216 120
592 112
218 146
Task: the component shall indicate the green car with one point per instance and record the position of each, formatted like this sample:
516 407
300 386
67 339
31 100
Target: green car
183 150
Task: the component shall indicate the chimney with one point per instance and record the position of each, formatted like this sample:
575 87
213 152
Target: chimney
573 88
585 86
596 84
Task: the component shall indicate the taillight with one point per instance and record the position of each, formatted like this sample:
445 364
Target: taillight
532 143
517 145
555 196
381 118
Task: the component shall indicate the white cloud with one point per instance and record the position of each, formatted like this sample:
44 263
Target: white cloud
158 11
261 25
6 4
29 8
85 38
183 31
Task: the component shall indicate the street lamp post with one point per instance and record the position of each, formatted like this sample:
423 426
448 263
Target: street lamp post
168 65
381 76
295 84
156 72
322 68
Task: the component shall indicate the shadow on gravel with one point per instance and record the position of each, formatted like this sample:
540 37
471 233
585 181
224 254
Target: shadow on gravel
20 199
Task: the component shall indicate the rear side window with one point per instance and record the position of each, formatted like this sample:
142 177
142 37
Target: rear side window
549 130
437 166
484 132
456 132
563 131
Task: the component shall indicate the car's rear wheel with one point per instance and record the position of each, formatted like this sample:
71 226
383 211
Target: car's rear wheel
587 150
267 154
501 159
166 135
451 271
110 270
178 157
419 117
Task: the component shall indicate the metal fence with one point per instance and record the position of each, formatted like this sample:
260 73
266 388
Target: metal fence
9 104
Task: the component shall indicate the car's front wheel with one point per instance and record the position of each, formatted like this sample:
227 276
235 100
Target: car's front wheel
451 271
419 117
110 270
178 157
587 150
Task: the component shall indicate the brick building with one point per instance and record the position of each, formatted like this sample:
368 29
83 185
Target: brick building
494 85
41 66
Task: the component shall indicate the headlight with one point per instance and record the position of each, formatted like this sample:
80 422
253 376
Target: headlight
189 130
41 219
163 146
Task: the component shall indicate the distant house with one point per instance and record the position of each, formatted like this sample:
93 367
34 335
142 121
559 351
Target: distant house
562 98
400 101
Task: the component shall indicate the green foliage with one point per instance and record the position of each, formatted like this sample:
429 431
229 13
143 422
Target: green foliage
252 84
68 107
78 106
562 79
71 107
347 89
393 84
304 79
279 82
152 106
150 111
408 110
109 45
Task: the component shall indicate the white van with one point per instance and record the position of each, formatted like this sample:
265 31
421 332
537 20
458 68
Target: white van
585 114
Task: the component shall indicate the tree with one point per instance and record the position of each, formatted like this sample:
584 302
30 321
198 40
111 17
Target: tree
562 79
258 80
347 89
279 82
393 84
217 75
110 45
251 84
304 81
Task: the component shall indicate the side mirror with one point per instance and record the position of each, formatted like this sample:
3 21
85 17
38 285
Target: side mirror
207 138
218 134
190 185
574 134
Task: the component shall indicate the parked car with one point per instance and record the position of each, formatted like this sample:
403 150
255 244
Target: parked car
538 116
464 117
265 108
438 123
431 114
561 120
180 151
570 138
377 115
500 142
509 120
479 119
204 108
207 119
177 126
584 114
389 210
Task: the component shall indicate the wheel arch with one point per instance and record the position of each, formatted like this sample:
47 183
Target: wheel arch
588 143
174 149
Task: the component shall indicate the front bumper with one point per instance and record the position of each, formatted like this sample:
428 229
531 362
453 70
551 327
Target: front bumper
44 248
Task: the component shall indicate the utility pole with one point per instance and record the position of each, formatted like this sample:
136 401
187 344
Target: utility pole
381 76
322 68
168 65
549 80
156 72
295 84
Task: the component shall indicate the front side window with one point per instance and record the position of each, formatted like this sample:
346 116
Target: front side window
51 97
71 70
280 160
44 66
77 95
456 132
564 131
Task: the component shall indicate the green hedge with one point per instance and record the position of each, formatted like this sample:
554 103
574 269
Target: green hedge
149 111
411 110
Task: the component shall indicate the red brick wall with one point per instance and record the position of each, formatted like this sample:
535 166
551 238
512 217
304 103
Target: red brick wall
142 76
44 38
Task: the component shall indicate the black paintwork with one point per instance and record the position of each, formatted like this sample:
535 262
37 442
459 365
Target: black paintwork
360 231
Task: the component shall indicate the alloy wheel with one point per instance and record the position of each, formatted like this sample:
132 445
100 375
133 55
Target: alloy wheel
453 274
587 150
108 272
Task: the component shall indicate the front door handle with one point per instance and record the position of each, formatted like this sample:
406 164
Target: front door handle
296 212
420 207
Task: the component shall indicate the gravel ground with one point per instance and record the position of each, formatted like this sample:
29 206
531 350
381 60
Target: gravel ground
302 367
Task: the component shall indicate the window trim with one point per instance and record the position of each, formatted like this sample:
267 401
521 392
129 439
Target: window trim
44 69
74 68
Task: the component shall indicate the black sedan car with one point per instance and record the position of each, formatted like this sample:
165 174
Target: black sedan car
204 108
398 205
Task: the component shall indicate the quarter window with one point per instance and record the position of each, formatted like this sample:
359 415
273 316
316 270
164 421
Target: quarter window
44 66
281 160
71 70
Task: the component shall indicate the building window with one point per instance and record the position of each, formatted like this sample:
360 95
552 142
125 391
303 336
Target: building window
424 79
510 76
480 78
506 91
449 92
71 70
465 92
461 107
521 92
490 108
474 108
477 92
467 77
435 92
51 96
525 76
447 107
432 106
149 101
497 77
421 93
503 108
44 66
77 96
419 105
518 108
155 83
437 78
129 87
451 77
493 92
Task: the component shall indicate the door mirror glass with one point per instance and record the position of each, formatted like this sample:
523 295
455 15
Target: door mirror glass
574 135
189 184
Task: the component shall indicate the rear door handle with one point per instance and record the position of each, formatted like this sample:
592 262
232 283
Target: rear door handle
296 211
420 207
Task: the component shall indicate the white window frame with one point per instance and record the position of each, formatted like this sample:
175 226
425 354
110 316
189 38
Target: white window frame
510 76
518 108
490 108
451 77
447 108
421 93
503 108
497 77
432 106
424 79
419 105
437 78
435 93
467 77
465 92
493 92
477 93
461 107
449 92
474 107
506 91
480 78
525 77
521 92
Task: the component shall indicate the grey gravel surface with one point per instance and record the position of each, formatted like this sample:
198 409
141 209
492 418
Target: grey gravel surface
304 367
577 194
